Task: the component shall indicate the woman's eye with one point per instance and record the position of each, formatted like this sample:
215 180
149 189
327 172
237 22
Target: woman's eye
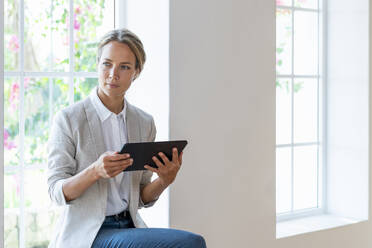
125 67
106 63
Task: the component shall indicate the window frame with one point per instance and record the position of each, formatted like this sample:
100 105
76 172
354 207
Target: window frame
321 114
21 74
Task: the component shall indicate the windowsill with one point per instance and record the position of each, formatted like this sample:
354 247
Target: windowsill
311 224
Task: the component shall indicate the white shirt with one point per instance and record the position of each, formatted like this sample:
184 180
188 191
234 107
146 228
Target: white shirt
115 136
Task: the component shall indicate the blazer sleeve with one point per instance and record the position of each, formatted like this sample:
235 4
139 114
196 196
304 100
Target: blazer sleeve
61 158
146 176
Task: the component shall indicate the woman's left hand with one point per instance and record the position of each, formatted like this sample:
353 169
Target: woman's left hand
167 170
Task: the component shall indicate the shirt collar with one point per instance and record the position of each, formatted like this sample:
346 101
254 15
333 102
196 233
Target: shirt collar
103 112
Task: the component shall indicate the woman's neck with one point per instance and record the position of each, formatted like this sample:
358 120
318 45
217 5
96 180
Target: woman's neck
114 104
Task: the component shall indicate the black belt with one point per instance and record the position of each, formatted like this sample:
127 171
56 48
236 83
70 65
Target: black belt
121 215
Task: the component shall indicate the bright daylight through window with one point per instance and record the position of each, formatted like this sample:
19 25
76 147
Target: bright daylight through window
298 107
50 59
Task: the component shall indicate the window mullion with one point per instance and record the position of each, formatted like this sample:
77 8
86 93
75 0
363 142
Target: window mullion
21 224
292 112
318 119
296 76
120 18
71 53
51 74
324 102
51 37
296 8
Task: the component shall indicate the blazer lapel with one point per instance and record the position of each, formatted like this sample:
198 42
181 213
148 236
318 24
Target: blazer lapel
95 127
99 144
132 123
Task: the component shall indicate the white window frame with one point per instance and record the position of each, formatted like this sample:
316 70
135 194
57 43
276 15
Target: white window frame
120 21
321 137
21 74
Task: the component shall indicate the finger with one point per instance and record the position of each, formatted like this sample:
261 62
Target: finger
175 155
163 157
151 168
116 157
118 167
119 162
157 162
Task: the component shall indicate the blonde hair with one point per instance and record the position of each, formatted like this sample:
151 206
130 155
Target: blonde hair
124 36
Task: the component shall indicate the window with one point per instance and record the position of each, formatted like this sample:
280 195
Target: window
50 59
44 74
299 108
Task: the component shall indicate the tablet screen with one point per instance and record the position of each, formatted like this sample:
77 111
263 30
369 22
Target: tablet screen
142 153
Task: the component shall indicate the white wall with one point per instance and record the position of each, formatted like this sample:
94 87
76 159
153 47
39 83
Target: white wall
222 99
150 21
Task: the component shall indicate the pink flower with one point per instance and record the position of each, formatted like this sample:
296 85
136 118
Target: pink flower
16 179
13 43
279 2
8 144
14 95
76 23
78 10
26 82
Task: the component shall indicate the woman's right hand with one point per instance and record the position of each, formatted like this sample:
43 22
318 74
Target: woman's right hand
110 164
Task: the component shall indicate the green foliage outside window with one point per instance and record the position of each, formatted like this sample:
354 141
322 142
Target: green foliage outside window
46 48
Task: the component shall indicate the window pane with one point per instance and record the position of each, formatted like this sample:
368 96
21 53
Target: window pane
43 97
11 208
11 190
305 110
46 35
284 2
83 87
36 189
283 180
313 4
40 227
40 217
11 121
11 227
283 111
305 43
11 35
283 41
91 20
305 177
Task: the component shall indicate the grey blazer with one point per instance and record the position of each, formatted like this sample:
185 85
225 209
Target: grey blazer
75 142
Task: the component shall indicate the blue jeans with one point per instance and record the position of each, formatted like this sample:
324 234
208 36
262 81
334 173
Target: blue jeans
120 233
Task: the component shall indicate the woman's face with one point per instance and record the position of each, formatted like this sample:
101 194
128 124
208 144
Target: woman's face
116 69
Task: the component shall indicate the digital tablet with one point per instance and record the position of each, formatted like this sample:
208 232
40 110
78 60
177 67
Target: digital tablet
142 153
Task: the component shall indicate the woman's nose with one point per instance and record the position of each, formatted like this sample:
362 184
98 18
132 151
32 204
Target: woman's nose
114 73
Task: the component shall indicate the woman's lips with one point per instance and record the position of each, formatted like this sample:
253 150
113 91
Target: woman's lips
110 85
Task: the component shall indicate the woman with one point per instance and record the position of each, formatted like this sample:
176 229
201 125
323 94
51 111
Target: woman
86 176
